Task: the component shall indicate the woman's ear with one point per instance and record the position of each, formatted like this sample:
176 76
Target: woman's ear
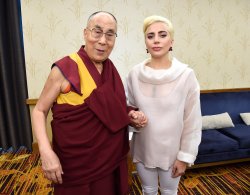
171 47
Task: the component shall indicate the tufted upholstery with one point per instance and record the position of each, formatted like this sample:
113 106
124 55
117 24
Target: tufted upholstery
227 143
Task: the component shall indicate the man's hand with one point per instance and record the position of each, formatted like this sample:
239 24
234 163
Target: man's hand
137 119
51 166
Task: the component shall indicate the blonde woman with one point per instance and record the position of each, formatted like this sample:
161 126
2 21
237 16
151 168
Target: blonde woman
167 91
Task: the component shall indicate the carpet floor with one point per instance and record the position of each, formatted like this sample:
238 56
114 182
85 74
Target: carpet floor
21 173
233 179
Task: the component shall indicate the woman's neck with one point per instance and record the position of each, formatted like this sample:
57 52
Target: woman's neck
160 63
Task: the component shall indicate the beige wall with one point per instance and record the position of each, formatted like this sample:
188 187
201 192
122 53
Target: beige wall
212 36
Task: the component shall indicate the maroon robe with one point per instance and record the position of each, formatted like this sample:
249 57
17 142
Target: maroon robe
91 139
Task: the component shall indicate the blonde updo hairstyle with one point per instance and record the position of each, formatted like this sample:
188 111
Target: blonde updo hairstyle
153 19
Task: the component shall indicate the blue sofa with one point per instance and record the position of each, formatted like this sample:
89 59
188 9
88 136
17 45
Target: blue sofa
225 145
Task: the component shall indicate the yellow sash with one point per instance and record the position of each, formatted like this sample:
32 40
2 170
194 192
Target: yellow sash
86 82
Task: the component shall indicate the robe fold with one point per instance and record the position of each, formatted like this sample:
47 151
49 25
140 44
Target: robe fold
91 138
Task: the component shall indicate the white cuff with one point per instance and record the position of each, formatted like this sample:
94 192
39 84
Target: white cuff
185 157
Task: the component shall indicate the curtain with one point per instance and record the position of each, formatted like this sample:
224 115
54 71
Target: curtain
15 124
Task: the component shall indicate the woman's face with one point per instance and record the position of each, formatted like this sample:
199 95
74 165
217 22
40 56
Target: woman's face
158 40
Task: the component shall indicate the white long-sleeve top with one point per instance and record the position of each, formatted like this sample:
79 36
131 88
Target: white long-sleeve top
170 98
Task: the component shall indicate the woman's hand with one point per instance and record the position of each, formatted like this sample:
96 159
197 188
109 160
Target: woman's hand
179 168
137 119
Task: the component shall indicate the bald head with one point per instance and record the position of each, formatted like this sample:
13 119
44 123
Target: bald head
100 13
100 35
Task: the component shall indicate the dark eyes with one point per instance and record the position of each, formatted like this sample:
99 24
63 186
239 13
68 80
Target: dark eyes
163 35
97 31
160 34
110 34
100 32
150 36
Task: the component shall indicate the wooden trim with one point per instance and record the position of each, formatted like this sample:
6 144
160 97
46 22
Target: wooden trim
34 101
31 101
35 148
219 163
225 90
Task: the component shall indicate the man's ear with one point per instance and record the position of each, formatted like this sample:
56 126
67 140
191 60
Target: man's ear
84 33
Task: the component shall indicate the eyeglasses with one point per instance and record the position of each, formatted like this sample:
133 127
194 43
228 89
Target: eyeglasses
98 33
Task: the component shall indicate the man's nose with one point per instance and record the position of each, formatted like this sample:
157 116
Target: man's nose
103 38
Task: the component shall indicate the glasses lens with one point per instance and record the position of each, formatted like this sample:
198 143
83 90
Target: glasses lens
97 33
110 36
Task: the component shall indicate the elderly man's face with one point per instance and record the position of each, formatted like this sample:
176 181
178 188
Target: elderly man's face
100 36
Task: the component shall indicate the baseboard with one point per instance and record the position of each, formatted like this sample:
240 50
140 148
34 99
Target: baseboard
219 163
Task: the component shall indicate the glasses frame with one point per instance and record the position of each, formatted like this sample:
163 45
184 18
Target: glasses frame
102 33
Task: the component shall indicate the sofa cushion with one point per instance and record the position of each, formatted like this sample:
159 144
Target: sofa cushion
212 141
216 121
240 132
245 117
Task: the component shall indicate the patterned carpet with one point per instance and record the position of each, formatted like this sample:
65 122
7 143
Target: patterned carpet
20 173
233 179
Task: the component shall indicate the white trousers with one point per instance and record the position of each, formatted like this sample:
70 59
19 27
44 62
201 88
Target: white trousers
149 179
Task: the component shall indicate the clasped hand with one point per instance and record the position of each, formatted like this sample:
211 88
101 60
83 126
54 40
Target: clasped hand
137 119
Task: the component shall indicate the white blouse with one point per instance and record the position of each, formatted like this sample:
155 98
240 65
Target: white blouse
170 98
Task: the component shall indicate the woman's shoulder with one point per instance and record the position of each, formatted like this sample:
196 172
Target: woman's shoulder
138 67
